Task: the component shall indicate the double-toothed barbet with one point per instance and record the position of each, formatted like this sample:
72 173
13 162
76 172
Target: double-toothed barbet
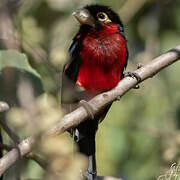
98 57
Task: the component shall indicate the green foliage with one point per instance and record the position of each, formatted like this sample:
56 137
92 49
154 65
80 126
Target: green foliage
140 137
14 59
14 68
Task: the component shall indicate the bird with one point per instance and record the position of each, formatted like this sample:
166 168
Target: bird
98 57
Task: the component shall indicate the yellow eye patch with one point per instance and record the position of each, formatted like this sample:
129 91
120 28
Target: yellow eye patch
103 17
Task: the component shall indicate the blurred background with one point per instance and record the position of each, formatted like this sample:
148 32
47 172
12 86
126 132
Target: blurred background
140 137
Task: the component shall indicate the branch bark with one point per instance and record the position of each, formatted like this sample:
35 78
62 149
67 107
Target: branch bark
5 147
38 160
79 115
8 39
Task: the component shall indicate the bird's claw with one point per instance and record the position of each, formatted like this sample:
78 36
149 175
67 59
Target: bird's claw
133 75
87 175
139 65
90 175
88 108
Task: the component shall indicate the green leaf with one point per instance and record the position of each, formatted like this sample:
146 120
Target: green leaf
14 67
12 58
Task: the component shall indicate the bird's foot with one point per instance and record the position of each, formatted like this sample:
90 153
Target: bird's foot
91 172
88 108
90 175
133 75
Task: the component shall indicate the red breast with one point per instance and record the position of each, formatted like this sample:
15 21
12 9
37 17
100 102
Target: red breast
103 59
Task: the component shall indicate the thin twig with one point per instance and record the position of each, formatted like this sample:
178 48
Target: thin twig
5 147
5 107
79 115
38 160
9 132
8 39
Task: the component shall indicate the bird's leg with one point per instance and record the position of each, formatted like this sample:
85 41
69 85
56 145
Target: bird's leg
85 138
91 172
88 108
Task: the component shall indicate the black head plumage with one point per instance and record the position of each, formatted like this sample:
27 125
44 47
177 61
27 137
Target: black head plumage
95 9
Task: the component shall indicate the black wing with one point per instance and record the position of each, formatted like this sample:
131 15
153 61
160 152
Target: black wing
121 30
71 69
70 94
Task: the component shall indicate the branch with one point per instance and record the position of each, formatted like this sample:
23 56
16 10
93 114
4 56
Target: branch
79 115
5 107
5 147
38 160
8 38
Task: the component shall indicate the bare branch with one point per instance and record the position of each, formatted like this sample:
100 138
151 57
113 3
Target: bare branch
38 160
7 32
22 149
79 115
5 107
148 71
9 132
5 147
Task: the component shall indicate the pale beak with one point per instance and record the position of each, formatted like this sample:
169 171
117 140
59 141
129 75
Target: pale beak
84 17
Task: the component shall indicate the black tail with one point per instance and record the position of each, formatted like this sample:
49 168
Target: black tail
85 138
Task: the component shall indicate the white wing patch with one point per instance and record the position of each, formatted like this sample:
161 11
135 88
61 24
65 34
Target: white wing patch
79 86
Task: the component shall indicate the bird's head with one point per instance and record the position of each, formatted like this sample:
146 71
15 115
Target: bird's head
96 16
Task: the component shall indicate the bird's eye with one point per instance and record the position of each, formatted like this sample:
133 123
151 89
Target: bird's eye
103 16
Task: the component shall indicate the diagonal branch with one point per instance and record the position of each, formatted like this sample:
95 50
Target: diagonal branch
5 147
79 115
38 160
